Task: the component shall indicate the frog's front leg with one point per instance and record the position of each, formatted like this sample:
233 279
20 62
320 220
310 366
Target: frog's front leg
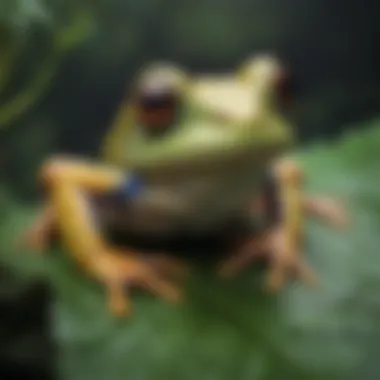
282 240
69 183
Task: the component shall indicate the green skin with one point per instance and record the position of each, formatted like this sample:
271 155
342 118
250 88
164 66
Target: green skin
208 167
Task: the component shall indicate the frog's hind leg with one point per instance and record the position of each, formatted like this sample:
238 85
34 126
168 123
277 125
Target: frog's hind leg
69 183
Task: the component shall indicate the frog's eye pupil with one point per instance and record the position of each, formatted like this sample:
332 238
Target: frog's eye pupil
284 90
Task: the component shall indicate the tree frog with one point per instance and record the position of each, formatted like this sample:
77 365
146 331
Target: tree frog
187 154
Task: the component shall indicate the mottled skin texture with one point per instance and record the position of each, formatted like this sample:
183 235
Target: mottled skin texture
199 167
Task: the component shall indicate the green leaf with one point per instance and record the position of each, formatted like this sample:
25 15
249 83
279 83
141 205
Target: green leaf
231 329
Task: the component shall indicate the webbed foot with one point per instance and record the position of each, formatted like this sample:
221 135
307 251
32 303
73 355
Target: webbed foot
332 211
38 236
283 260
120 271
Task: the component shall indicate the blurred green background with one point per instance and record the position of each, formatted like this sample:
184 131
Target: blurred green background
64 69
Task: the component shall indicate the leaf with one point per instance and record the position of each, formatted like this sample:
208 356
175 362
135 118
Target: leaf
228 330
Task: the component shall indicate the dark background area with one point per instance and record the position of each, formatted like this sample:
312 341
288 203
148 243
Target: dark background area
330 49
65 67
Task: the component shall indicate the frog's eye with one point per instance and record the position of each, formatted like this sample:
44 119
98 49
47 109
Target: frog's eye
271 71
158 100
156 109
284 88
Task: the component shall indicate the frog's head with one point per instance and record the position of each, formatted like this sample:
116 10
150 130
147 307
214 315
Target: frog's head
204 121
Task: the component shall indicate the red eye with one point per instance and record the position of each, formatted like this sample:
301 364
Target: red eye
284 88
157 106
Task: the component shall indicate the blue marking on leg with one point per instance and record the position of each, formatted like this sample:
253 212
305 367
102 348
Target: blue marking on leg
131 188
